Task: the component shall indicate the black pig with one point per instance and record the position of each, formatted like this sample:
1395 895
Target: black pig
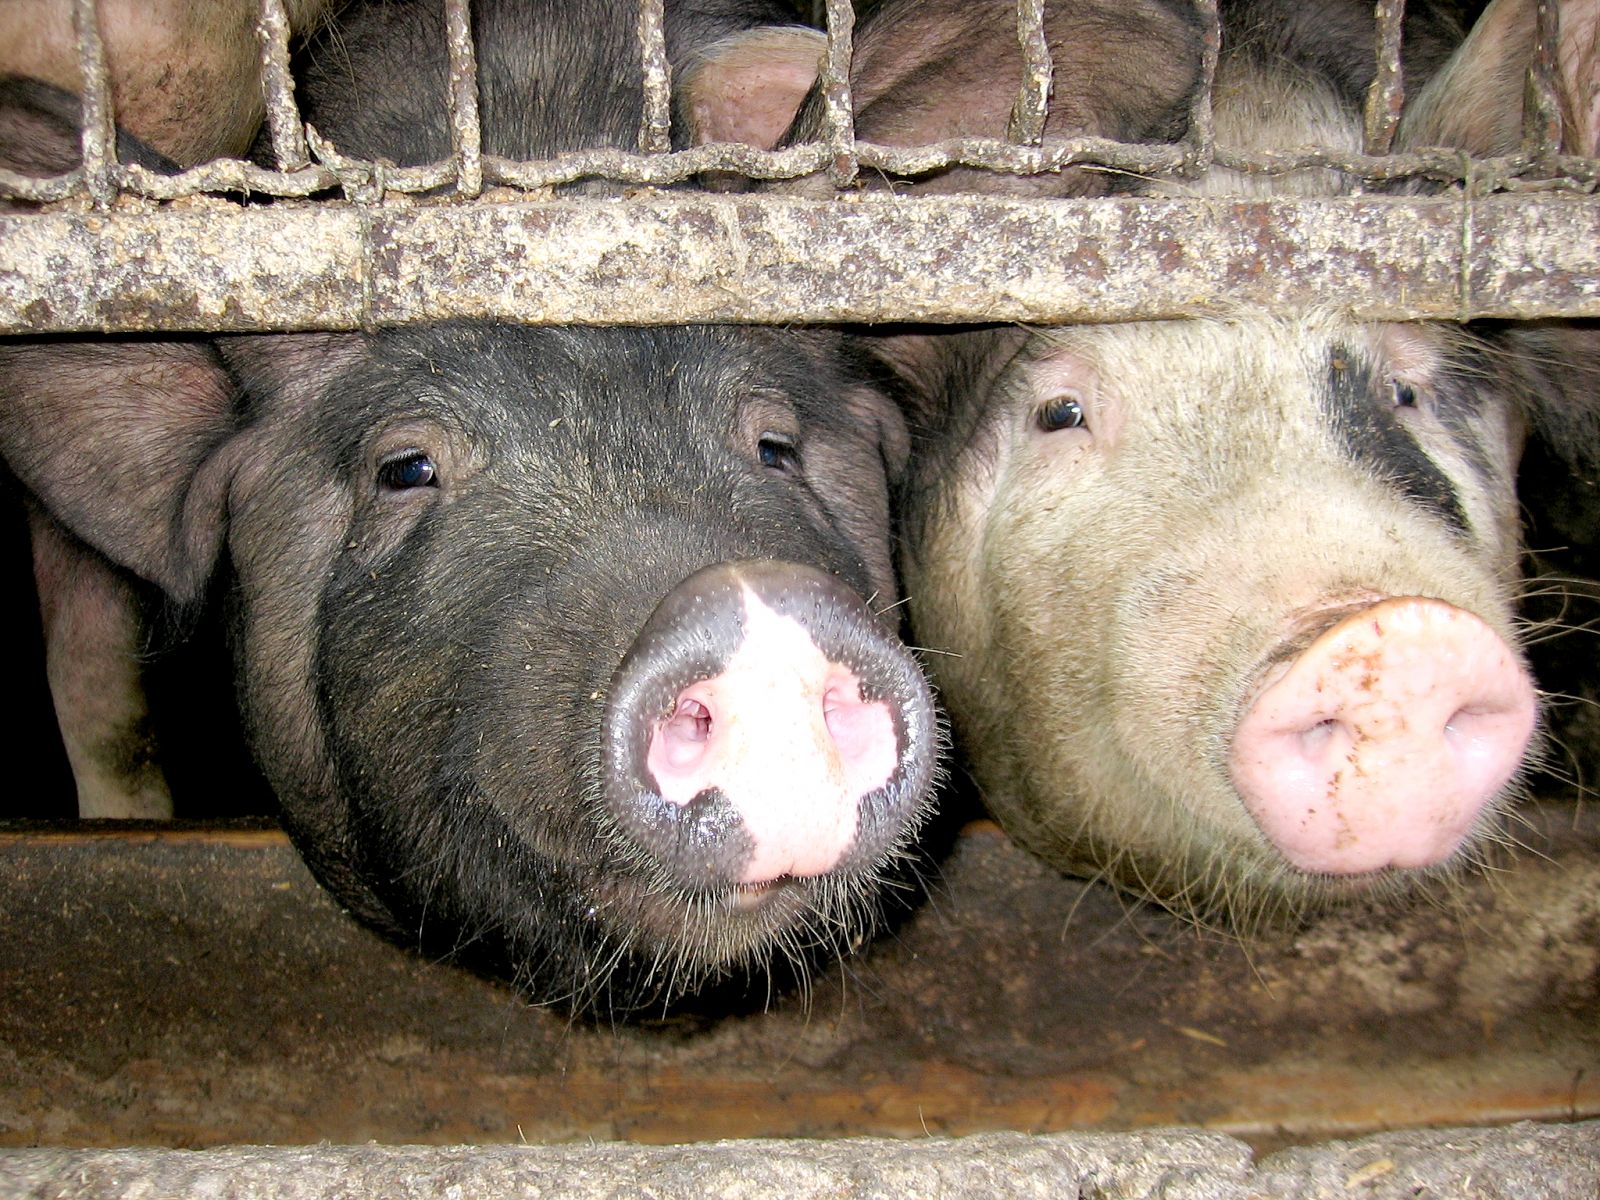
559 648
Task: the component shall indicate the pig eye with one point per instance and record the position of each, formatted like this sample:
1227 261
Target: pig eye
779 452
1064 412
1402 394
409 469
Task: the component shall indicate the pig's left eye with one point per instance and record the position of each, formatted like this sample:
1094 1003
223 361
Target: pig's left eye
412 469
1402 394
1064 412
779 452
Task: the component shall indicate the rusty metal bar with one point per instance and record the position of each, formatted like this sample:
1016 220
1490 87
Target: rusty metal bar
277 85
685 258
1514 173
466 135
1386 96
1200 141
99 135
1541 107
1028 115
839 120
655 127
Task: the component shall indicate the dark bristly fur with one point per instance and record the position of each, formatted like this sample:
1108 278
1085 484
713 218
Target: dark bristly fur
423 669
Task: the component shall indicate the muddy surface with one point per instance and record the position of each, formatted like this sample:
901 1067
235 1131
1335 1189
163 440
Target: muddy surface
194 987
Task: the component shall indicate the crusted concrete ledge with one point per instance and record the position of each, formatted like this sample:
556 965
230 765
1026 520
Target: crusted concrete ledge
1518 1161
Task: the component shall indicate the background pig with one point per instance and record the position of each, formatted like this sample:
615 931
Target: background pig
1225 608
185 74
559 648
185 81
923 72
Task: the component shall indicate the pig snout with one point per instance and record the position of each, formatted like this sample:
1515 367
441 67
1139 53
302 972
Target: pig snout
765 726
1384 740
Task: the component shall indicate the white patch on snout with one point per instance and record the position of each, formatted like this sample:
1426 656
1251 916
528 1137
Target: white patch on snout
784 734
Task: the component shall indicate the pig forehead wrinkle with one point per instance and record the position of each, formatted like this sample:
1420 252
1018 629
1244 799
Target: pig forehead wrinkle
1367 428
500 379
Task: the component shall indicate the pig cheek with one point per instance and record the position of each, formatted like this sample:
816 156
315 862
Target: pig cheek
945 565
282 566
1027 615
1487 489
849 477
1058 564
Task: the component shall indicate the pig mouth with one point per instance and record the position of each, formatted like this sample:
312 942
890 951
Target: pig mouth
752 897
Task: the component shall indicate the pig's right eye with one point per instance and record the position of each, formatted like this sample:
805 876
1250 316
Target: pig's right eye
778 452
1063 412
413 469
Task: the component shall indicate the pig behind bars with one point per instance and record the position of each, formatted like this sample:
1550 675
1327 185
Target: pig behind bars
184 79
184 74
1226 608
564 650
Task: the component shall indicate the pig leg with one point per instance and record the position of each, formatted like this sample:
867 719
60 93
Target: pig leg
93 638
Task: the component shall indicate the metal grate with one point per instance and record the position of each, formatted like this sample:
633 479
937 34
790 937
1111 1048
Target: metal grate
120 248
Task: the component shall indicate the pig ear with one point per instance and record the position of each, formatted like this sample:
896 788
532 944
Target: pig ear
1556 369
123 443
287 370
933 373
747 88
39 131
1579 73
1475 102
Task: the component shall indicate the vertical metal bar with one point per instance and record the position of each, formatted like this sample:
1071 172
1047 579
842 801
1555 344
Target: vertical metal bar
1386 96
655 126
99 130
1541 104
466 134
1026 127
838 107
277 88
1202 135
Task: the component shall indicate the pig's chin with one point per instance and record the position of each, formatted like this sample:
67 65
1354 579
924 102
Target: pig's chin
698 937
1250 895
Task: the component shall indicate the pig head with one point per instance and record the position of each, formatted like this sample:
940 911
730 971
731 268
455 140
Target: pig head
1231 603
1225 609
568 653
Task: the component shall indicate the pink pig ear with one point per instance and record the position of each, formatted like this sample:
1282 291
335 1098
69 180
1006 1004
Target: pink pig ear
1475 102
746 88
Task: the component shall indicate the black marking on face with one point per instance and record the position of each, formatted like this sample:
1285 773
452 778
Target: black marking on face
1461 397
1366 424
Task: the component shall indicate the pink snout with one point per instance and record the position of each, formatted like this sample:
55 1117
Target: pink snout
1384 742
765 727
785 735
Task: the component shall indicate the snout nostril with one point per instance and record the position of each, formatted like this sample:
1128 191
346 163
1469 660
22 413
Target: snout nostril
690 720
683 735
1314 739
